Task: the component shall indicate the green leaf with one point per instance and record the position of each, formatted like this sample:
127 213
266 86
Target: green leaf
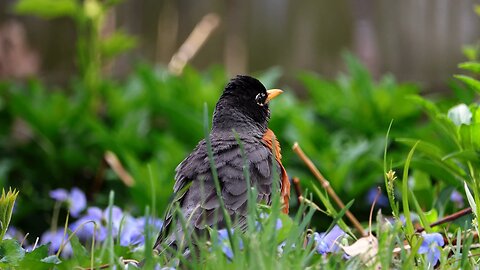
405 189
470 51
475 132
47 9
287 224
473 83
11 252
427 148
427 105
466 137
470 199
7 202
471 66
431 215
80 253
116 44
53 259
463 155
37 259
421 214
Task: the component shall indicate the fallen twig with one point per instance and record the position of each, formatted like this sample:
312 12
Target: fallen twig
326 185
114 163
194 42
449 218
298 189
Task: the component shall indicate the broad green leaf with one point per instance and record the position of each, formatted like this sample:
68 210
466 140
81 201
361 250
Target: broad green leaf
471 66
475 132
431 215
11 252
473 83
47 9
427 148
466 137
428 105
464 155
421 181
36 259
287 224
79 251
53 259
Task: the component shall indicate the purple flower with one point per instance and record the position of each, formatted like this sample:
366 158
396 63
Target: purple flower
431 245
457 198
382 200
133 230
263 216
59 194
101 219
13 233
278 224
224 242
131 233
326 243
55 239
76 199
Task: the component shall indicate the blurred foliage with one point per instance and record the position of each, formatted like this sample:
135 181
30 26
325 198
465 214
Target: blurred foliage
151 120
449 156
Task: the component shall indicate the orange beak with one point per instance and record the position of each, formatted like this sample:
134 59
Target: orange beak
272 93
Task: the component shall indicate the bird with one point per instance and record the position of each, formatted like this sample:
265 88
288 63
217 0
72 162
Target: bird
242 112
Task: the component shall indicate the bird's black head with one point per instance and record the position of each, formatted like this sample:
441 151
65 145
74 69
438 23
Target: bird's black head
244 105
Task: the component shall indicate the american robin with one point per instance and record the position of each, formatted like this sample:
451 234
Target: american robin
242 109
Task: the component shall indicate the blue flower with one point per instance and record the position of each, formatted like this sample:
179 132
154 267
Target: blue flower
224 242
264 216
55 239
13 233
457 198
76 199
326 243
278 224
382 200
431 245
101 219
132 231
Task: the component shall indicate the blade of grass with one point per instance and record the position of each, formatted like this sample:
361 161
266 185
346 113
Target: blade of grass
332 211
418 209
389 186
228 221
406 209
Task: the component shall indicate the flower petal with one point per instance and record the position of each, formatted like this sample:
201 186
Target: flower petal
78 201
59 194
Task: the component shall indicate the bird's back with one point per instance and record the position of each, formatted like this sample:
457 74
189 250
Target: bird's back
195 191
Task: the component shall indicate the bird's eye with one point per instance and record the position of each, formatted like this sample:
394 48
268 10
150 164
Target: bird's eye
260 99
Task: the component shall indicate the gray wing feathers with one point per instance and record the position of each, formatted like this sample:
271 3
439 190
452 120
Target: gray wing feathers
200 204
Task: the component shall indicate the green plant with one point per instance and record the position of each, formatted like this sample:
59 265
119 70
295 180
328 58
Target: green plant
7 202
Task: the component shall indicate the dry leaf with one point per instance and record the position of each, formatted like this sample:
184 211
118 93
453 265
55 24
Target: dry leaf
365 247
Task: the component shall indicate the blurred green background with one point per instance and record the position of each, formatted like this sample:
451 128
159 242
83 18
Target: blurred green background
81 79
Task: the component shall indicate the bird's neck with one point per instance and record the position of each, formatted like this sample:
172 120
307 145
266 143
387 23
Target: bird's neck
228 120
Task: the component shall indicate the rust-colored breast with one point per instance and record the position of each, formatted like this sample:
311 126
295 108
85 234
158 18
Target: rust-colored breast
268 138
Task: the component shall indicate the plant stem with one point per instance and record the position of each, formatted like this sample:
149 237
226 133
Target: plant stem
448 218
326 185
